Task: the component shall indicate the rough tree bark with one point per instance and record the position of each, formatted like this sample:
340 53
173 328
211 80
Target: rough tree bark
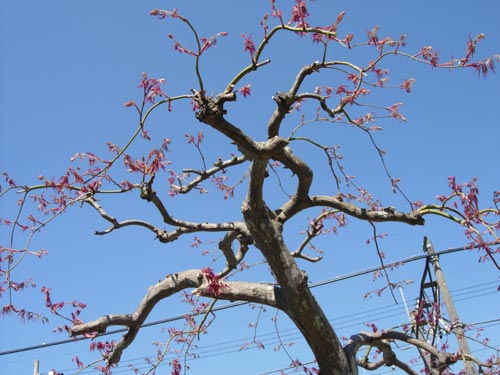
261 223
262 227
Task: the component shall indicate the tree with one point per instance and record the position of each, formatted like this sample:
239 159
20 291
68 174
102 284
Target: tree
260 163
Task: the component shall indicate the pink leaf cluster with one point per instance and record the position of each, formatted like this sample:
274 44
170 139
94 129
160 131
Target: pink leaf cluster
155 161
215 283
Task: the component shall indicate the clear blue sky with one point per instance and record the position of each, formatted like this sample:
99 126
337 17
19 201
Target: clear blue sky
66 70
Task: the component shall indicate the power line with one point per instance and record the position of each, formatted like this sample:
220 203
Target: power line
295 369
112 332
240 303
269 339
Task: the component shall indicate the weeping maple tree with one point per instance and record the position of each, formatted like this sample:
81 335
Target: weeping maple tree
276 161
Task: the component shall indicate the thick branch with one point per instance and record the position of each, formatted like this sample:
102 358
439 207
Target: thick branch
315 230
225 245
266 294
322 101
303 172
388 359
371 366
204 175
168 286
115 224
211 112
381 340
303 308
164 236
286 99
241 291
387 214
150 195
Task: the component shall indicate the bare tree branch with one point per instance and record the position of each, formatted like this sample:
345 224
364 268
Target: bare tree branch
381 340
150 195
168 286
242 291
225 245
119 224
204 175
266 294
311 233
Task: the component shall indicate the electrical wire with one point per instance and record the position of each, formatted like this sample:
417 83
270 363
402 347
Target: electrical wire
239 303
292 335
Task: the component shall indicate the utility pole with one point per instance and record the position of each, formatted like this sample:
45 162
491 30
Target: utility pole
456 325
36 367
412 317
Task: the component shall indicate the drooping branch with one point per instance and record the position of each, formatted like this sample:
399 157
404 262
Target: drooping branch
387 214
315 230
225 245
266 40
241 291
389 358
322 102
170 285
183 226
381 340
204 175
115 224
267 294
383 215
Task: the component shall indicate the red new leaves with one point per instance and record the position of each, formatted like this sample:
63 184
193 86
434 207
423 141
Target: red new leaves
319 37
394 111
468 198
299 14
481 67
471 47
162 14
215 284
249 44
299 366
150 165
105 348
207 43
482 225
485 66
342 103
176 367
245 90
56 308
23 314
9 180
78 362
407 85
429 55
373 37
152 88
203 43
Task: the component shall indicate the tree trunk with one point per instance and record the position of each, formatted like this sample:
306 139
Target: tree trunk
301 306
